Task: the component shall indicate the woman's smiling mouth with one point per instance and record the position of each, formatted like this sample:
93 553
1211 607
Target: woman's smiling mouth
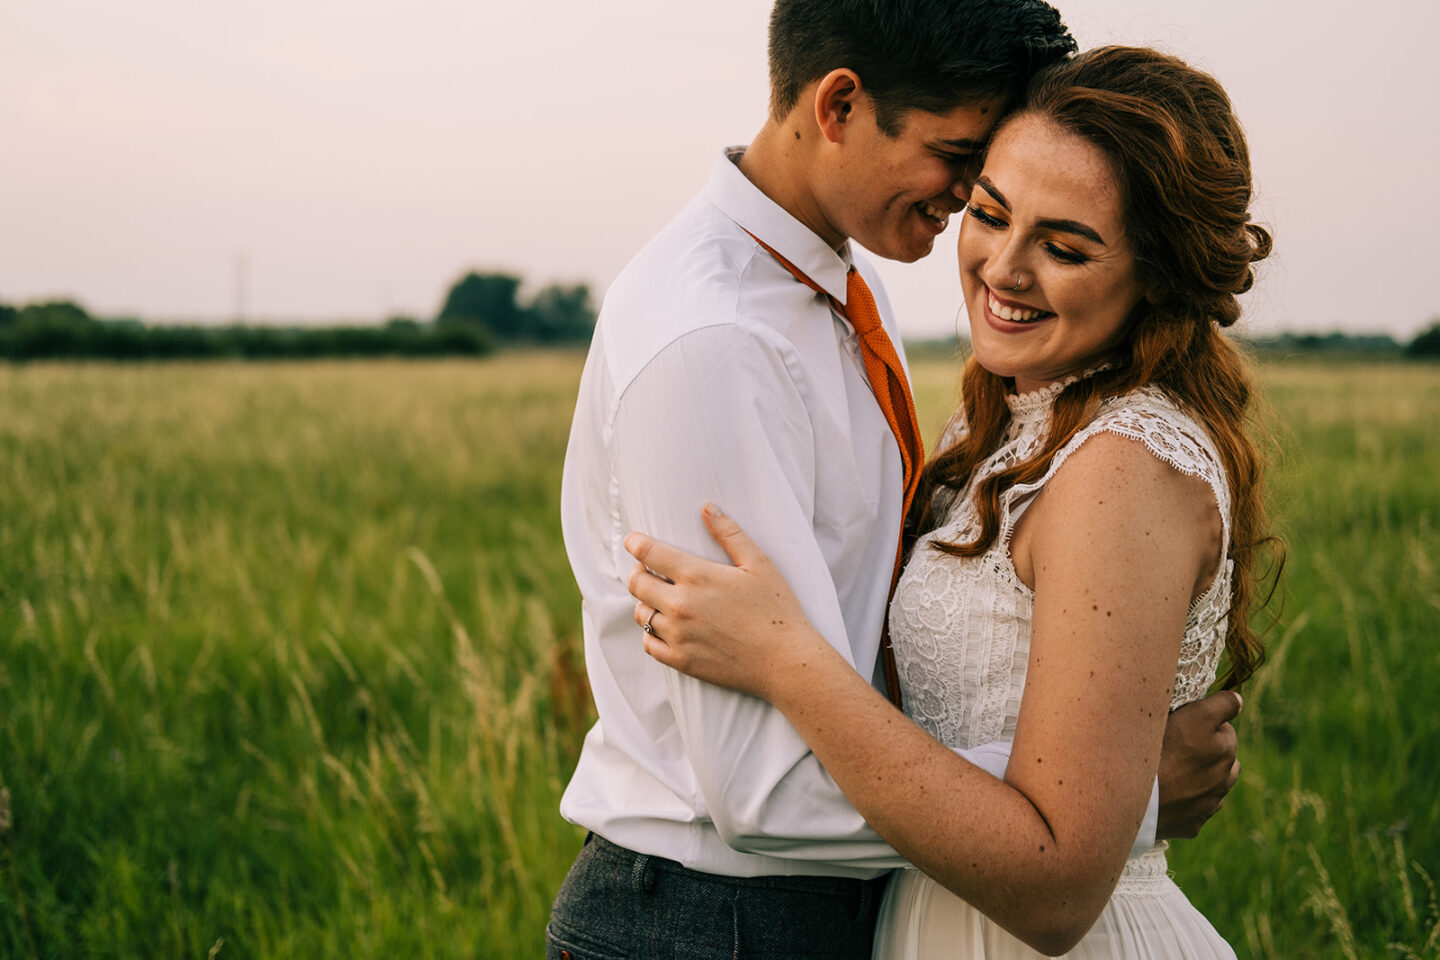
1014 314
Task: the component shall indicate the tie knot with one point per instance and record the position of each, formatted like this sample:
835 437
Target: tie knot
860 304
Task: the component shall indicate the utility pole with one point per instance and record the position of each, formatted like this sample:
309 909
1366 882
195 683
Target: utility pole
242 284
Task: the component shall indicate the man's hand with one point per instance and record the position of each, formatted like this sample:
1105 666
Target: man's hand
1197 764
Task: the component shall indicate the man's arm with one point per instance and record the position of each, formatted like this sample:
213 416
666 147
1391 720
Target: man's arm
719 416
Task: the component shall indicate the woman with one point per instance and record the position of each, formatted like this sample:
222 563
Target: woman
1085 535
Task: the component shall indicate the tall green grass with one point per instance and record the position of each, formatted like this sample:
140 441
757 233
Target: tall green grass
1331 844
277 655
289 664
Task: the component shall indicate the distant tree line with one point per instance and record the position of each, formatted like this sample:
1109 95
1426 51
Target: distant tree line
1425 344
557 314
481 311
61 329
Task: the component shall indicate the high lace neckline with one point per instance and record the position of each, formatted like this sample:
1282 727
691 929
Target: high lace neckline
1035 404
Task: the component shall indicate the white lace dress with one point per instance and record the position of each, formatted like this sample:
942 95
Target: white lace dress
961 631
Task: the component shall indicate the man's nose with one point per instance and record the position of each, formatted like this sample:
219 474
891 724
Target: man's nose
965 183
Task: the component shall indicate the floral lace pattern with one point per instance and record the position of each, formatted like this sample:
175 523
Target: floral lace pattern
961 626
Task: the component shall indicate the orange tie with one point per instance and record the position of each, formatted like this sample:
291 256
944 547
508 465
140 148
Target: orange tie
892 392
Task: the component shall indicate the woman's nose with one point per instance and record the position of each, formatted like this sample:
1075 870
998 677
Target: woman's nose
1001 267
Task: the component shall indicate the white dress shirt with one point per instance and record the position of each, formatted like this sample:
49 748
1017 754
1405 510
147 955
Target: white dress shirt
715 375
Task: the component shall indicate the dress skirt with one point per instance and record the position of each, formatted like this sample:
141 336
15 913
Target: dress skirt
1148 918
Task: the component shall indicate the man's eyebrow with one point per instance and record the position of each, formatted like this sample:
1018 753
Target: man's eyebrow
1065 226
964 143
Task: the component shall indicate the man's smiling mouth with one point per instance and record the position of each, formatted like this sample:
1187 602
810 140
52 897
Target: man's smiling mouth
942 217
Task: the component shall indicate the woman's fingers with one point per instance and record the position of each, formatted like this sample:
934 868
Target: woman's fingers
645 617
671 563
735 541
666 651
667 563
646 586
682 599
656 645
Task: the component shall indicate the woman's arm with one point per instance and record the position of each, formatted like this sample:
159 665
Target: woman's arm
1118 544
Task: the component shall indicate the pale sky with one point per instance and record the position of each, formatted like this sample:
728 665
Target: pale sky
350 159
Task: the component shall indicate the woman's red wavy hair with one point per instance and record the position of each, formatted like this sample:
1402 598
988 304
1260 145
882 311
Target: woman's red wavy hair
1183 168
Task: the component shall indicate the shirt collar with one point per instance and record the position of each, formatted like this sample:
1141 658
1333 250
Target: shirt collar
740 200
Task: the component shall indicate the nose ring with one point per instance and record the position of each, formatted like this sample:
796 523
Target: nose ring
1019 279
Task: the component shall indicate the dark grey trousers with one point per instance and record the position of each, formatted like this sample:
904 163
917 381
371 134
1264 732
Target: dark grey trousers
616 904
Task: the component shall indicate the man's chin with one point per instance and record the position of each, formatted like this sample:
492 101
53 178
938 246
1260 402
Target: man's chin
903 252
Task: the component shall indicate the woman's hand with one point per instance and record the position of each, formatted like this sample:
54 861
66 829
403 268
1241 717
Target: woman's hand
736 626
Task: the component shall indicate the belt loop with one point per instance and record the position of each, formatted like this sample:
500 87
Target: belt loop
641 877
866 896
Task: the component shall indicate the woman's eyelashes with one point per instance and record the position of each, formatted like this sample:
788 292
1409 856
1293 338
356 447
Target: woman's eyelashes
1065 256
1055 251
994 223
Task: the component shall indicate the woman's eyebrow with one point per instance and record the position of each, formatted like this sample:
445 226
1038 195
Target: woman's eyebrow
1071 226
994 191
1065 226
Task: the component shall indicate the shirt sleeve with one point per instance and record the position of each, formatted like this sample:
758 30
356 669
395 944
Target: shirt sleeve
718 415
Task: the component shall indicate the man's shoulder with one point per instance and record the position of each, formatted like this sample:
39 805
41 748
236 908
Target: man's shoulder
694 264
696 278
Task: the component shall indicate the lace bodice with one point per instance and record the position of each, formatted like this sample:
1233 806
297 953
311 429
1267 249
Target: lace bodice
961 626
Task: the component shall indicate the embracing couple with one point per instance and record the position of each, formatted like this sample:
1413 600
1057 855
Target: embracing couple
904 708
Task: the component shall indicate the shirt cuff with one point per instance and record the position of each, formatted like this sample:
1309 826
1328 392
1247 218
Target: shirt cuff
1150 824
993 758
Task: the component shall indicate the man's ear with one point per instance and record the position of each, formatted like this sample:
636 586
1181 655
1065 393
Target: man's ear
838 100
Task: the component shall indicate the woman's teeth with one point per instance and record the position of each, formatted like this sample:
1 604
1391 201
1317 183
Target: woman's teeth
1014 315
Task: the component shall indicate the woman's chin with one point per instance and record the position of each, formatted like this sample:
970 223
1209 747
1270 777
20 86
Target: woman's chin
991 361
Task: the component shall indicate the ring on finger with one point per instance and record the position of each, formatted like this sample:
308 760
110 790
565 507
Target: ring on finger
648 627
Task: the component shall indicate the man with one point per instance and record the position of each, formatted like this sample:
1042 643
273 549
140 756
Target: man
726 367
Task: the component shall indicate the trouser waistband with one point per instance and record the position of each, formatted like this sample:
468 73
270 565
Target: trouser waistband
644 866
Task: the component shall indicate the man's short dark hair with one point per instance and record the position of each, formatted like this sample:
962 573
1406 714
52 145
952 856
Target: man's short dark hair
931 55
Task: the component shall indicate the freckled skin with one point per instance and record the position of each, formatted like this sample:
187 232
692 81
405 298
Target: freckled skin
1030 851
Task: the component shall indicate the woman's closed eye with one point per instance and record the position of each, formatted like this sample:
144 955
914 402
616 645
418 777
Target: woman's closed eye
1064 255
993 222
1056 252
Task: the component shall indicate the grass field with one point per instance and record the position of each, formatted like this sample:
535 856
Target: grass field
289 668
